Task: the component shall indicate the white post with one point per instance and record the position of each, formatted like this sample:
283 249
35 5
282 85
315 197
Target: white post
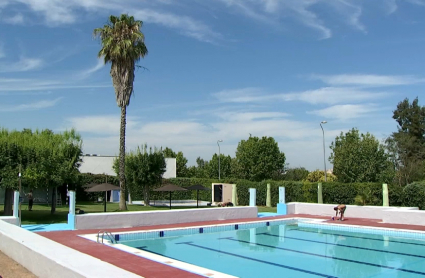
385 198
16 204
72 202
234 195
269 196
71 214
282 195
252 197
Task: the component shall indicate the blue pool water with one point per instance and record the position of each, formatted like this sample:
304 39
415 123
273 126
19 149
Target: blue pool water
288 250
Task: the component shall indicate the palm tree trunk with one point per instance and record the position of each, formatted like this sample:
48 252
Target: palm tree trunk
123 205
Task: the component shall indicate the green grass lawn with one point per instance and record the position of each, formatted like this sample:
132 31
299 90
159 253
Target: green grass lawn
41 213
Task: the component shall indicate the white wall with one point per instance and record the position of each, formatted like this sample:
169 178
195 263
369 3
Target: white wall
98 165
370 212
46 258
171 171
415 217
10 219
149 218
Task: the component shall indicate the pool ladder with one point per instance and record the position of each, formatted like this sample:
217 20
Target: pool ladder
105 233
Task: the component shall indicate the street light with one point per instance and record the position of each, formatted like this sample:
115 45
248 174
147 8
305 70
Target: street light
324 155
218 141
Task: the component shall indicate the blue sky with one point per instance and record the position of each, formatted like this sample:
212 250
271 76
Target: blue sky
218 69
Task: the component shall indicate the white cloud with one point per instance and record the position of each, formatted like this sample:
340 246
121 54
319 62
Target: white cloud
250 116
13 85
30 106
390 5
86 73
15 20
57 12
333 95
308 18
24 64
346 111
101 133
184 24
243 95
417 2
103 124
272 11
327 95
368 79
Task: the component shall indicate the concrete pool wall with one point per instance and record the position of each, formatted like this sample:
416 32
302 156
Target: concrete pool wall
46 258
160 217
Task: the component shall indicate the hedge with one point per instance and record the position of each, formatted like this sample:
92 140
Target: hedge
412 195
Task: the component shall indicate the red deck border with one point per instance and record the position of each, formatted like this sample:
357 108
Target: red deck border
148 268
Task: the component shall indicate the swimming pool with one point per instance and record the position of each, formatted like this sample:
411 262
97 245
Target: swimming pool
284 248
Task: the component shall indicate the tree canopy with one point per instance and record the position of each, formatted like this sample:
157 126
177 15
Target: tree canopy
295 174
144 169
407 146
46 159
319 176
258 159
358 158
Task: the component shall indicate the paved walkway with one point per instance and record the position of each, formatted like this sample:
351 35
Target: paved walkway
147 268
11 269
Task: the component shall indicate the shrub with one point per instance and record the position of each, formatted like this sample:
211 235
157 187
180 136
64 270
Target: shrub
414 195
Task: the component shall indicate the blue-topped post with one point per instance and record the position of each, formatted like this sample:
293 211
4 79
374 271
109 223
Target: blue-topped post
71 214
16 206
252 197
281 206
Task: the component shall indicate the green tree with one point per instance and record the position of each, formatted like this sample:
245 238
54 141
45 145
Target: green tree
225 167
201 170
258 159
144 169
55 160
296 174
319 176
407 146
359 158
45 159
122 45
181 161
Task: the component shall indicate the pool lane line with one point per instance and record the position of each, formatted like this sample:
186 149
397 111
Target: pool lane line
344 245
324 256
190 243
376 239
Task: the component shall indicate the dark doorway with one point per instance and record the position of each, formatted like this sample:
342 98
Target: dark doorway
218 192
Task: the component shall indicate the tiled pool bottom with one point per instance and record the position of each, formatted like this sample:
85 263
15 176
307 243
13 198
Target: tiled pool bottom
292 247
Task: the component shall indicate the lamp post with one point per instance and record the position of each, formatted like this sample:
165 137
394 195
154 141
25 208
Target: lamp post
218 144
324 155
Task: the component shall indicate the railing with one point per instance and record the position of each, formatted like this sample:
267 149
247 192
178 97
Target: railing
108 234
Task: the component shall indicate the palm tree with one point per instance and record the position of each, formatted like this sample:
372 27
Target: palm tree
122 45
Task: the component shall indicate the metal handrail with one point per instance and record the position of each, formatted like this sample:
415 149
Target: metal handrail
107 233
